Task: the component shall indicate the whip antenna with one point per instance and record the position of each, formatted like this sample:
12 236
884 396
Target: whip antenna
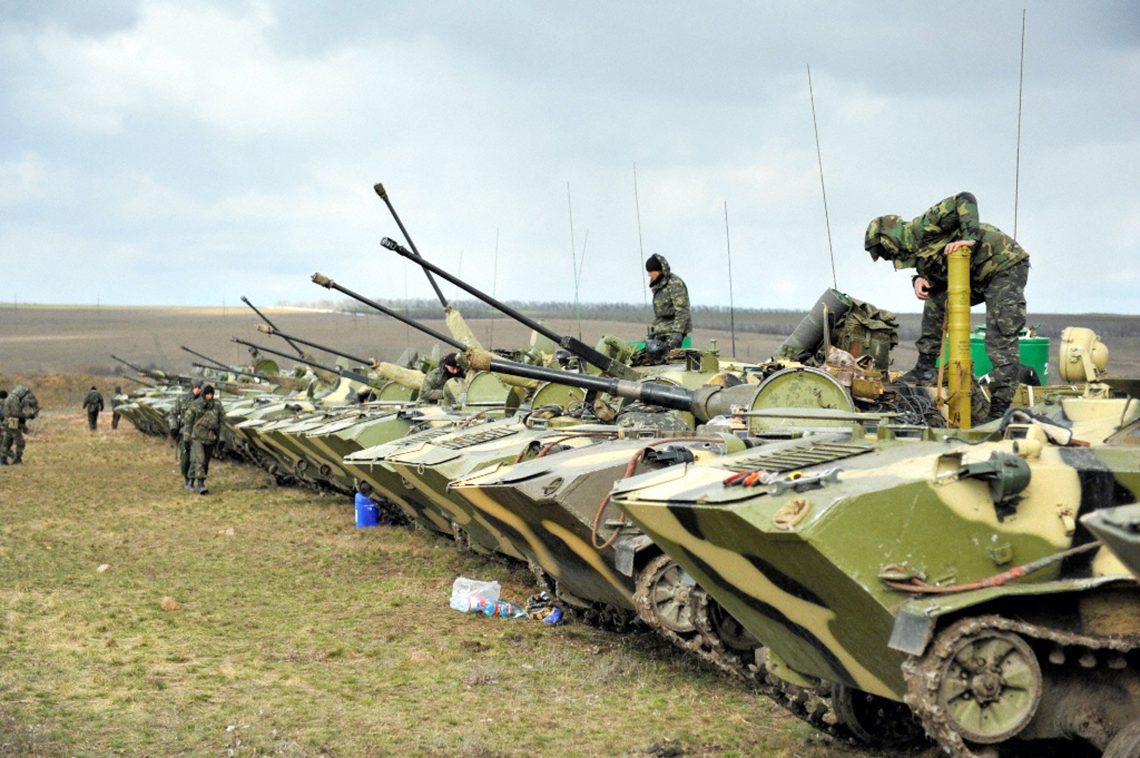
494 285
819 159
731 305
574 261
1017 162
640 245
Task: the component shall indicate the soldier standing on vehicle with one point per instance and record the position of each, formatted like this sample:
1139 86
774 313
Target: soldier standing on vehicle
20 407
116 400
93 404
202 423
999 268
434 387
671 318
182 441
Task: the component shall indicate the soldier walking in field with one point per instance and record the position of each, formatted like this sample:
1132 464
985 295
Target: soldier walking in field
20 407
93 404
671 318
202 422
999 268
116 400
182 441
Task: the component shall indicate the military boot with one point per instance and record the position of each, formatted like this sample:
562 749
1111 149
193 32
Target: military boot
923 373
201 487
188 484
18 459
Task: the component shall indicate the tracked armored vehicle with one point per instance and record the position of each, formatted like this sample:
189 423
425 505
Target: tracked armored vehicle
942 570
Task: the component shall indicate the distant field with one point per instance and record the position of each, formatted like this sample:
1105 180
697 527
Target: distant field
48 339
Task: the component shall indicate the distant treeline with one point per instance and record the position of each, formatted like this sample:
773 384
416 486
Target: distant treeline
762 321
774 321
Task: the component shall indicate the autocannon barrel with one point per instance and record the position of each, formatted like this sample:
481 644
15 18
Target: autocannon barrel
265 318
704 403
328 283
577 347
330 369
275 332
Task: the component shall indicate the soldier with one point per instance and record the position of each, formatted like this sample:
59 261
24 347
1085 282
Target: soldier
116 400
182 441
671 318
999 268
202 423
20 407
93 403
433 389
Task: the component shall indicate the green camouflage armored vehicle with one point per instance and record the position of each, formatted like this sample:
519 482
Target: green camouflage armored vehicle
896 573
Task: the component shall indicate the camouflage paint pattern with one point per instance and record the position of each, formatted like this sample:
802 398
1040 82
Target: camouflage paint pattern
811 591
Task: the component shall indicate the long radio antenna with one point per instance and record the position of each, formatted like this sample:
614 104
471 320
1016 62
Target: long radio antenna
574 260
819 159
731 304
1017 162
640 244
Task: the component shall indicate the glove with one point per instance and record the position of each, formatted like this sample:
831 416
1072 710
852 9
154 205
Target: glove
675 340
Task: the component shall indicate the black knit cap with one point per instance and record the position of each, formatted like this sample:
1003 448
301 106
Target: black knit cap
653 263
208 390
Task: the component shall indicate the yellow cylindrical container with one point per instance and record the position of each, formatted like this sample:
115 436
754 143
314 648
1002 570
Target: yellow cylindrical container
958 335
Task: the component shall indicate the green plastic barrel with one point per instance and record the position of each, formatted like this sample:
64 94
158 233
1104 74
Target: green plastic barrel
1033 351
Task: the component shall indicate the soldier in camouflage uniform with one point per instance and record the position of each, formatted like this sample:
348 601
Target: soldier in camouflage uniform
671 318
202 423
182 441
93 404
116 400
999 268
433 389
20 407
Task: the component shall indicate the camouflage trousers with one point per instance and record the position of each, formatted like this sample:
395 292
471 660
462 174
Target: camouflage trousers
10 438
200 455
1004 297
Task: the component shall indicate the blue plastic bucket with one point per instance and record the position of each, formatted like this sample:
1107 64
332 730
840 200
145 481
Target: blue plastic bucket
367 514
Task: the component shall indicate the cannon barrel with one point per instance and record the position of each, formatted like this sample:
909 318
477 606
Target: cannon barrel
383 193
328 283
127 363
704 403
275 332
282 381
208 359
330 369
153 373
265 318
607 364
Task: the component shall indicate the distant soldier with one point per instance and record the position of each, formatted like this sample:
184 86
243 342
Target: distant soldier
20 407
182 441
999 268
202 423
93 404
434 387
671 318
116 400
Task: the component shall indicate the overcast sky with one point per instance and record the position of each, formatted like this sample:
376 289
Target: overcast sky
195 152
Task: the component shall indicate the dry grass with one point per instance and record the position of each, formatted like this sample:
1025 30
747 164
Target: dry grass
298 634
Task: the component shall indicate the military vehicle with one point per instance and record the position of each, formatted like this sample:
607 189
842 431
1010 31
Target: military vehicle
895 571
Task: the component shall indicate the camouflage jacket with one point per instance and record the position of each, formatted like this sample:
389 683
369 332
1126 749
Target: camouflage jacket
93 403
670 303
433 388
920 242
203 420
21 404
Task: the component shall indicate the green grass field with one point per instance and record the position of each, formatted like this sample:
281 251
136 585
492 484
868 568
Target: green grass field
297 634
